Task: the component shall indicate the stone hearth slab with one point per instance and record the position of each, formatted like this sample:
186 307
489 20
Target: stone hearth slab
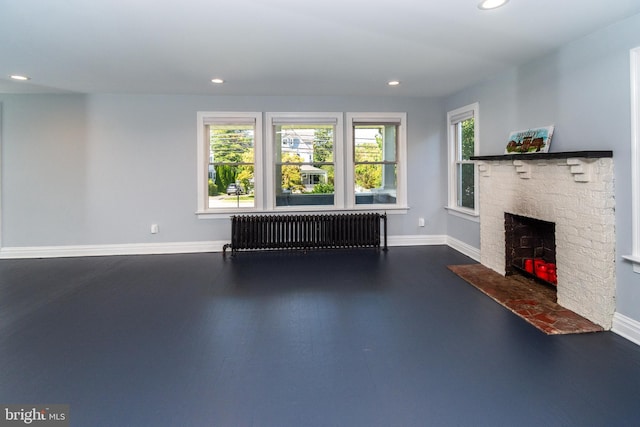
531 301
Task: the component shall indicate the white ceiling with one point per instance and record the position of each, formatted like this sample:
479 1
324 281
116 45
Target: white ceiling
282 47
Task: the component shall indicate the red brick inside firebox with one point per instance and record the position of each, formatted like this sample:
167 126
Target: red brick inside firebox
528 239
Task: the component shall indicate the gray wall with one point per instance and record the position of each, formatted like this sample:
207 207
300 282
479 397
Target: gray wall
100 169
584 89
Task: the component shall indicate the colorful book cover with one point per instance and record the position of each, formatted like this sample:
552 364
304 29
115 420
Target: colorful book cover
530 141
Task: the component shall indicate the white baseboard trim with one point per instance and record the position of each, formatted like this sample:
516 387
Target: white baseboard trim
417 240
462 247
111 250
194 247
626 327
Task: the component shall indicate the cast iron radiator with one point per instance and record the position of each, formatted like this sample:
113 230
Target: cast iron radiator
256 232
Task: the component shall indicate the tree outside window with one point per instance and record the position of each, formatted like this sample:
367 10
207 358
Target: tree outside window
231 161
466 193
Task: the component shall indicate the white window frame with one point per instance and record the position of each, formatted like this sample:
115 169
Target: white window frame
264 157
635 159
453 118
202 169
401 158
1 150
336 119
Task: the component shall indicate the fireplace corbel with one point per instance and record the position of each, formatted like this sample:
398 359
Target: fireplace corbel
581 168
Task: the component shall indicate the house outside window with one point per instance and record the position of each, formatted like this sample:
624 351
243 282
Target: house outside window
463 144
229 144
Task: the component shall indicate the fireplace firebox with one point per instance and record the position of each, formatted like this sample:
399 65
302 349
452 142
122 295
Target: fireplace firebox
530 248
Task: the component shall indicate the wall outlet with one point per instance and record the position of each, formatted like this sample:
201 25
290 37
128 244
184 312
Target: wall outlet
155 229
420 222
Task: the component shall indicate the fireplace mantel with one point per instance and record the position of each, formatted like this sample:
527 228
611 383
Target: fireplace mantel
548 156
580 163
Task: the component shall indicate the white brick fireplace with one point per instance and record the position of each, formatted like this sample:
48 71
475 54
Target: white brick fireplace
576 192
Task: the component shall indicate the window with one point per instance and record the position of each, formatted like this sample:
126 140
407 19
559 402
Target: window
303 163
305 167
228 166
377 153
463 143
635 159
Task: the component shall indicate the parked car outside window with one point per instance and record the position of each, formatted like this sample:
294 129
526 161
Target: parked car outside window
234 189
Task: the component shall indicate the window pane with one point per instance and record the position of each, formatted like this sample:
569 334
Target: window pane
467 139
375 183
231 143
304 164
466 187
231 166
375 143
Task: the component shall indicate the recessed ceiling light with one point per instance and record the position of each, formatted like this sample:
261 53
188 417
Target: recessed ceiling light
393 83
19 77
217 81
491 4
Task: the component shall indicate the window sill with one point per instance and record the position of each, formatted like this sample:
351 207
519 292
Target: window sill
635 260
370 208
464 213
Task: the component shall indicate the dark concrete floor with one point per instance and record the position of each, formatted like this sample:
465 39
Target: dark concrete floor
343 338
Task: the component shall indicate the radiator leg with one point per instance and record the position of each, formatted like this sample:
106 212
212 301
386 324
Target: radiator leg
384 221
224 249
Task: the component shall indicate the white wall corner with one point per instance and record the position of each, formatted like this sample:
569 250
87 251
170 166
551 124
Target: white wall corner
626 327
464 248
